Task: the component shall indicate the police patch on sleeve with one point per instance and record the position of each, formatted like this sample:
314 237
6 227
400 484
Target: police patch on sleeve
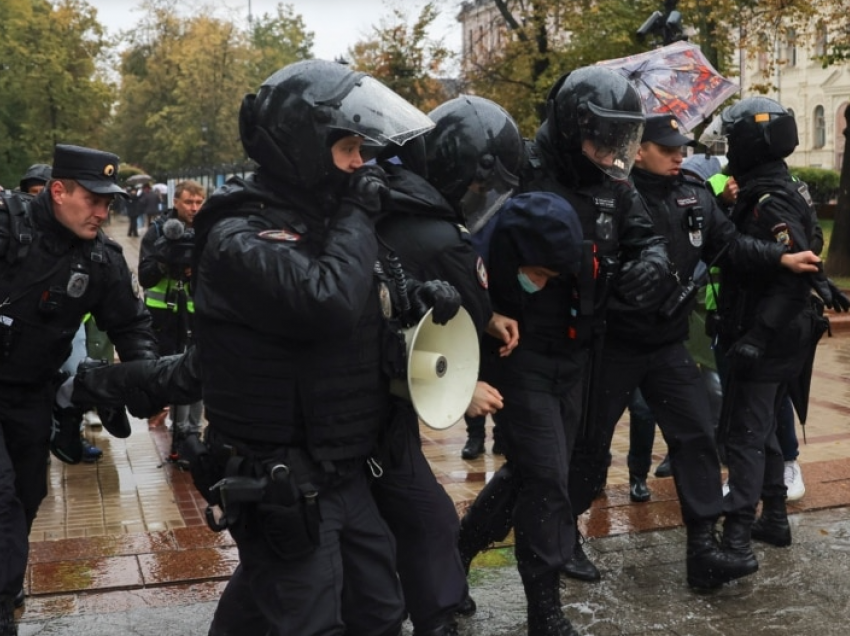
804 192
782 234
386 300
280 236
481 272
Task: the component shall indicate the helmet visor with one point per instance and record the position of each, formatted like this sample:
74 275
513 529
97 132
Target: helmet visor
484 198
367 108
610 139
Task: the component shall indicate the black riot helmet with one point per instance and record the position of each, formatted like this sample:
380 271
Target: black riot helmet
36 174
758 130
597 112
473 156
290 124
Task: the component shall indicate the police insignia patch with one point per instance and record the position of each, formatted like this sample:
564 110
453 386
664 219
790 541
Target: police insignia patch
77 284
804 192
283 236
695 237
782 234
481 271
386 300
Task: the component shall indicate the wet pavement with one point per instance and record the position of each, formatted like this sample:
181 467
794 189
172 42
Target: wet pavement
120 547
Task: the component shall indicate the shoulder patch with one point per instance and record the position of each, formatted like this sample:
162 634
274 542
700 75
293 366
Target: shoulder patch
481 272
279 236
782 234
804 192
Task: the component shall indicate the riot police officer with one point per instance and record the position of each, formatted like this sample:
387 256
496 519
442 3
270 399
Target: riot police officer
56 266
645 348
291 316
768 324
35 178
442 189
583 153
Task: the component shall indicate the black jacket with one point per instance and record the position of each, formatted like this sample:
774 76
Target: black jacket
615 223
771 308
51 283
423 229
289 320
686 214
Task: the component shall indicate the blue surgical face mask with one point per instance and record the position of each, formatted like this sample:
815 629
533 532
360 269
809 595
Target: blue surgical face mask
527 284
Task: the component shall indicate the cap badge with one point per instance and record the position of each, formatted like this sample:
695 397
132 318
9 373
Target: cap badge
109 170
674 124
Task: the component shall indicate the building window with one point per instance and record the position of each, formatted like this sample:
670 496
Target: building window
819 128
791 47
820 40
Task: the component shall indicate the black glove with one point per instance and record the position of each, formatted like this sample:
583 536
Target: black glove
367 188
745 352
831 296
638 278
438 294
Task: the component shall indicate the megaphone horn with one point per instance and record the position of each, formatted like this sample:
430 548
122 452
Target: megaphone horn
442 369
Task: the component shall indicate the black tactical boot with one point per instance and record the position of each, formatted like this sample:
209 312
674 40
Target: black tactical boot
7 618
772 526
579 567
638 490
474 448
663 469
545 615
710 565
466 607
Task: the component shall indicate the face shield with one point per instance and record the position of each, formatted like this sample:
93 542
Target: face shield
610 139
484 197
363 106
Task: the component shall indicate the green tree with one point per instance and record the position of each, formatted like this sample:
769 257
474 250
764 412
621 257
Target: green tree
543 39
404 58
52 89
183 79
279 40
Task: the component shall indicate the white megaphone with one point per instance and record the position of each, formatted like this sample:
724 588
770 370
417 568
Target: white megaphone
442 369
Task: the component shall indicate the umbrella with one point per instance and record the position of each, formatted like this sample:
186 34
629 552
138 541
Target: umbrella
139 179
163 189
675 79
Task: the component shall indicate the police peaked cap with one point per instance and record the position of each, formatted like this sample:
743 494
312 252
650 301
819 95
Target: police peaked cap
664 130
95 170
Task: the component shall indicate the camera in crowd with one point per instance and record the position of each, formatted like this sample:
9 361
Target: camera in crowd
175 248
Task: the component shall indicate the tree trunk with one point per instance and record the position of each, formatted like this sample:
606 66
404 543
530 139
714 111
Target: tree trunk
838 256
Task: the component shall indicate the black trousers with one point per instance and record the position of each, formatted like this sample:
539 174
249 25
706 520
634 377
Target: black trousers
755 460
25 418
538 425
425 523
347 586
674 390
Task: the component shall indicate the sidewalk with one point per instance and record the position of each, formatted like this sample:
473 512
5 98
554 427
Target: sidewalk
120 547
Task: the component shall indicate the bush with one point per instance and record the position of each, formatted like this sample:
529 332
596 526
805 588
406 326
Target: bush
823 183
